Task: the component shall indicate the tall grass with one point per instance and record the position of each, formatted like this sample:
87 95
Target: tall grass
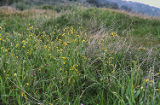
61 61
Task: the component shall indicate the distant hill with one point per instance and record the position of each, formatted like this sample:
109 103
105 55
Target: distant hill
128 5
139 7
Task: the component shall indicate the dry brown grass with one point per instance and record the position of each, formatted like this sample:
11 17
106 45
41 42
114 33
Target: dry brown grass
7 10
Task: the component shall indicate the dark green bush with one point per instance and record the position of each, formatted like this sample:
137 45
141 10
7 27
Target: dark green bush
21 5
46 7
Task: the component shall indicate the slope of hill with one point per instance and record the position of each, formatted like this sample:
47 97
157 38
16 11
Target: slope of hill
73 55
139 7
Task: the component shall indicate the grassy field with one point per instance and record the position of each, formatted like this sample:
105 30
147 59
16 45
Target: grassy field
72 55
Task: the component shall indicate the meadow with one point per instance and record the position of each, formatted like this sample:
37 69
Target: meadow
73 55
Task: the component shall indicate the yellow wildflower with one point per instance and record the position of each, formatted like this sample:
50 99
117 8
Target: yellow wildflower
6 50
73 67
63 34
17 45
110 58
45 46
23 94
0 38
15 74
30 35
60 69
28 52
12 54
60 41
84 57
23 41
11 44
113 34
63 58
142 48
146 80
107 62
65 44
27 84
83 40
76 65
156 89
76 70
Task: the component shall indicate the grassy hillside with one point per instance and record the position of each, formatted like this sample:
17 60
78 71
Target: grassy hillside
72 55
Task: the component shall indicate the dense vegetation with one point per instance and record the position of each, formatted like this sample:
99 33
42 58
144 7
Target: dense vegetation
72 55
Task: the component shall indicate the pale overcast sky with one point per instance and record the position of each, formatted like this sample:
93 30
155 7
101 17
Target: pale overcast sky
155 3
